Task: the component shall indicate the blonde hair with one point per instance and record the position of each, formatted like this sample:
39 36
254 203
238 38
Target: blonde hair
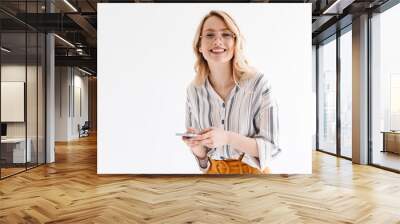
240 67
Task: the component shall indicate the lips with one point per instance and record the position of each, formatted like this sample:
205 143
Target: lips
218 50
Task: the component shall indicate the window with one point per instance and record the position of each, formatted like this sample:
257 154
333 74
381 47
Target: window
327 96
385 89
346 93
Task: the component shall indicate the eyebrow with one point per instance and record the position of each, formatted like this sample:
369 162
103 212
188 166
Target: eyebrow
220 29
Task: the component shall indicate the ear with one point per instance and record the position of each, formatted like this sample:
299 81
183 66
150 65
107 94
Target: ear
199 47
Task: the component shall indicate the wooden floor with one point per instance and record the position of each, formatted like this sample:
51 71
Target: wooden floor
70 191
8 171
5 172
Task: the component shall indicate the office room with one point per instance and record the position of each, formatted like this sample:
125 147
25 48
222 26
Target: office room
199 111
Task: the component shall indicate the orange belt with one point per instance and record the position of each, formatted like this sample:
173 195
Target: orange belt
233 166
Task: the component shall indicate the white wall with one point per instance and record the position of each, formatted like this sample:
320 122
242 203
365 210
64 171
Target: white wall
61 103
80 84
68 81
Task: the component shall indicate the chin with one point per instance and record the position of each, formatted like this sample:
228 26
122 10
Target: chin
219 60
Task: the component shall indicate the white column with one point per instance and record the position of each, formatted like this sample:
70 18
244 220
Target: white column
50 93
50 110
360 90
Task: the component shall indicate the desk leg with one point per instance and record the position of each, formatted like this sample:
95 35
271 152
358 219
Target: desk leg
384 142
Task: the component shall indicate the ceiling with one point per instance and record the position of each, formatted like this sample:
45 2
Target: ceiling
76 22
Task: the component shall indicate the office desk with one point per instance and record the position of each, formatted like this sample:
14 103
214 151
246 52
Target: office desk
13 150
391 141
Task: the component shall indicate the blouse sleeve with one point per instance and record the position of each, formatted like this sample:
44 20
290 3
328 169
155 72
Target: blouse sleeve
267 127
190 122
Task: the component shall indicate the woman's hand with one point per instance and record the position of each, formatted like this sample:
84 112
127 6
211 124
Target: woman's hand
213 137
194 144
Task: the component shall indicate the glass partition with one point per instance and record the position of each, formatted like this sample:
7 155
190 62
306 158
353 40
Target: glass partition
22 77
327 96
346 94
32 95
13 105
33 72
385 89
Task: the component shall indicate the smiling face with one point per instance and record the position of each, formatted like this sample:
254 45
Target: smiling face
217 42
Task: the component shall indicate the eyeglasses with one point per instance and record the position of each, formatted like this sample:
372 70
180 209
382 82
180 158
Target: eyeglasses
211 35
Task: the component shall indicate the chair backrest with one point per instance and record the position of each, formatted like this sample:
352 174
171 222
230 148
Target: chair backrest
86 125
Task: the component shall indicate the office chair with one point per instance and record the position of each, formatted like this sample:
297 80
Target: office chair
84 130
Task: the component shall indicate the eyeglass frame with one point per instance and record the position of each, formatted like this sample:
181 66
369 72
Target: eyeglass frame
233 35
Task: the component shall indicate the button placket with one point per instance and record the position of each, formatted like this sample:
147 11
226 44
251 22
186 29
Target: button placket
223 117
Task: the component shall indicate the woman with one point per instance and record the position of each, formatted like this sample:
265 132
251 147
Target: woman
229 104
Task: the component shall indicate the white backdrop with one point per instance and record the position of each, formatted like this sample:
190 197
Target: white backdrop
145 62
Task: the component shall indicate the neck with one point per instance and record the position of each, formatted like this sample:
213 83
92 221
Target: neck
221 75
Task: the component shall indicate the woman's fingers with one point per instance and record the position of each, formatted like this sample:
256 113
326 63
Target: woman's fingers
205 130
191 130
204 136
190 142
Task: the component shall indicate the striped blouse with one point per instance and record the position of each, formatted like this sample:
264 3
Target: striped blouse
249 110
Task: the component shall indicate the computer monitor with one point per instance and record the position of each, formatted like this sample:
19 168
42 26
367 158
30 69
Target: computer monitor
3 129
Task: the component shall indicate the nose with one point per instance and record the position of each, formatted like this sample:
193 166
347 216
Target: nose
217 40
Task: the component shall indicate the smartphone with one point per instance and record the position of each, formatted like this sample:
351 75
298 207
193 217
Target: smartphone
187 135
